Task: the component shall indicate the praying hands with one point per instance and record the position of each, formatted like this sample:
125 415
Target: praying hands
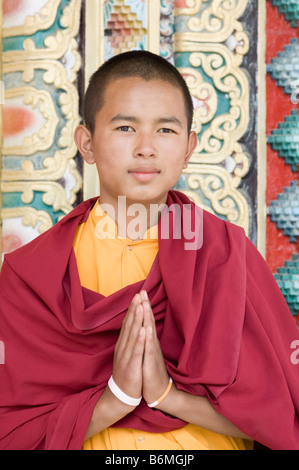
139 367
139 371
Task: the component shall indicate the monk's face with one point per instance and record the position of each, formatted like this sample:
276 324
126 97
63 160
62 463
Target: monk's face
141 143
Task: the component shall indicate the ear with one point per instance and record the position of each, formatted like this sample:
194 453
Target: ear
83 139
192 144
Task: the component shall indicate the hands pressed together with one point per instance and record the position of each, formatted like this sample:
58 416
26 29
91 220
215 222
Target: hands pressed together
139 367
139 370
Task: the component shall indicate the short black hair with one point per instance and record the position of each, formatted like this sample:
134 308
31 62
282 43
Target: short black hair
143 64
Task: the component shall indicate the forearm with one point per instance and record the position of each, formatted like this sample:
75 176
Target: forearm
198 411
107 411
192 409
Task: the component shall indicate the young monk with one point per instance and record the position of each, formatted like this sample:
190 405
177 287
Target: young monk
126 337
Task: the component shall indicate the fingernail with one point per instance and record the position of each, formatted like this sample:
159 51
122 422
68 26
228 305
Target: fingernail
144 295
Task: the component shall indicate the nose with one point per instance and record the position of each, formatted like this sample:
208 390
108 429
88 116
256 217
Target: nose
145 146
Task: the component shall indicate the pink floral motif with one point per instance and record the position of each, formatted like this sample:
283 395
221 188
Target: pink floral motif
180 4
10 242
10 6
16 120
202 102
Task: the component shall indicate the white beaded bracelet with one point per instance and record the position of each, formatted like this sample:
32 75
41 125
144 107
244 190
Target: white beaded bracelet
121 395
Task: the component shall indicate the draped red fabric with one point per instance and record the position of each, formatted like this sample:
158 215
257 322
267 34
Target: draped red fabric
224 327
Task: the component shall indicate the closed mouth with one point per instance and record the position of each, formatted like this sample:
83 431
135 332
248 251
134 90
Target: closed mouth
144 174
145 170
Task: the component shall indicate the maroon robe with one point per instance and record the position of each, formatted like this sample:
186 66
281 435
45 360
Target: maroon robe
223 324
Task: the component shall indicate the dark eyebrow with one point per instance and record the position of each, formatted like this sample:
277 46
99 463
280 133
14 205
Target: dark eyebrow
170 120
162 120
123 117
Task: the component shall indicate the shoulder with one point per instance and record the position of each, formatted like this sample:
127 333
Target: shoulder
212 220
223 241
219 237
220 229
215 228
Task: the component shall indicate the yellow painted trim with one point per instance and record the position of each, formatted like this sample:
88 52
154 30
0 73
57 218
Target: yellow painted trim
153 29
94 57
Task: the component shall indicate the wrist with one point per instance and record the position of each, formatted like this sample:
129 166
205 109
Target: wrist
111 408
172 402
163 396
122 396
108 410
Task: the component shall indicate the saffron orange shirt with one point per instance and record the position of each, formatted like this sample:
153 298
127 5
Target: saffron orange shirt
106 263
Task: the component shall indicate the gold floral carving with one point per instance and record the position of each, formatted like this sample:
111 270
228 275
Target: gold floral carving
58 163
216 21
55 166
41 100
53 193
55 46
30 217
220 188
204 93
225 129
40 21
214 43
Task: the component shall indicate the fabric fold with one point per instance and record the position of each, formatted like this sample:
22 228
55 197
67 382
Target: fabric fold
223 324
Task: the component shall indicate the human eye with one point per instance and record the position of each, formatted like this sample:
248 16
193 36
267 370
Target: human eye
166 130
125 129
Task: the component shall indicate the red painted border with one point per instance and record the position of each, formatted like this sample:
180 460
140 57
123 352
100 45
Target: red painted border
279 175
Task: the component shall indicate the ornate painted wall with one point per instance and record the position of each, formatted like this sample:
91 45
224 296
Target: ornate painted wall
50 48
211 47
40 64
282 60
